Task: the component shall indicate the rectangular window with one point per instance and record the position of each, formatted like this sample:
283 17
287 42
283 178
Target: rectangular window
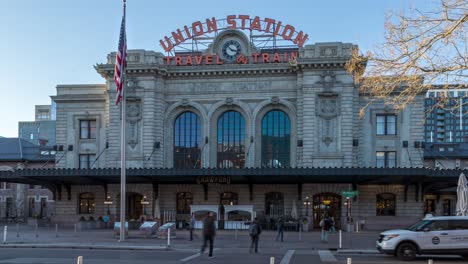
385 159
87 129
87 160
386 124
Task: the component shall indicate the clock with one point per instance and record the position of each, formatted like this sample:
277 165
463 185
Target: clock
231 49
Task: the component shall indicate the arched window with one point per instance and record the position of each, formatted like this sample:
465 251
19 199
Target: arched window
184 200
274 204
386 204
276 139
187 139
231 140
229 198
86 203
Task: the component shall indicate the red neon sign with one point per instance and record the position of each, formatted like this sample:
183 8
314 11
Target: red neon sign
244 22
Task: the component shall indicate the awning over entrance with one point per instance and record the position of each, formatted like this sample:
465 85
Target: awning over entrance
352 175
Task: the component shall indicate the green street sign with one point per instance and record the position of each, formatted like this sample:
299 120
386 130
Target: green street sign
350 194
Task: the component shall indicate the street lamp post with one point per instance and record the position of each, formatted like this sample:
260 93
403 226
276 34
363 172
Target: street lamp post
306 204
144 202
108 202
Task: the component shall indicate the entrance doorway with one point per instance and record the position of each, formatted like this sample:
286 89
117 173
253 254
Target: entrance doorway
133 206
327 203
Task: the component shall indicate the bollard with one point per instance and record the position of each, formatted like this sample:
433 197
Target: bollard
56 230
235 234
4 234
37 234
430 261
349 261
79 260
272 260
168 237
75 230
17 230
340 239
300 233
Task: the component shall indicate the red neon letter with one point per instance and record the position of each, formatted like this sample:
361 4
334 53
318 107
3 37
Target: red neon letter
243 18
218 61
266 57
197 28
178 37
291 32
178 60
209 59
269 21
276 57
278 27
211 25
198 59
188 60
255 24
169 45
187 32
231 20
255 57
301 39
168 60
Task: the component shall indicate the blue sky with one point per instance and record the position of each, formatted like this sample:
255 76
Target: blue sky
50 42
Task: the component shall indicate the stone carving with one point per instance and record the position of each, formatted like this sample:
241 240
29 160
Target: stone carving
328 78
229 101
185 102
133 119
328 51
275 100
328 108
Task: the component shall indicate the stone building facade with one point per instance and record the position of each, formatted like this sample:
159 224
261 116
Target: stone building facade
242 131
310 92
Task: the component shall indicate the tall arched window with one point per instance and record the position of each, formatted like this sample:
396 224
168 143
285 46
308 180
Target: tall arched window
231 140
276 139
86 203
386 204
187 139
274 204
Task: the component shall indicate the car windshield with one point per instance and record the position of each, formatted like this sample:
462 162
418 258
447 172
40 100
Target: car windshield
419 225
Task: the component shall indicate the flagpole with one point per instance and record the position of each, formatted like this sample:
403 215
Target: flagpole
123 166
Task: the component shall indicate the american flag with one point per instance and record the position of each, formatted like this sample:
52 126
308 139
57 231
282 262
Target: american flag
121 61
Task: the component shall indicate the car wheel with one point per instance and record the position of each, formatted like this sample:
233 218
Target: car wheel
406 251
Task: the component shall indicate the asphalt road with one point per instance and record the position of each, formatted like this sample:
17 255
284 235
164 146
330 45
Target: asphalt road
224 256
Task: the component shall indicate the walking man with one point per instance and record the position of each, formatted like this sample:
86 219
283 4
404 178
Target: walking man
254 231
280 227
209 232
192 226
325 224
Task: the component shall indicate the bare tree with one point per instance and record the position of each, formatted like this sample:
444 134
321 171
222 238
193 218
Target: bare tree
421 49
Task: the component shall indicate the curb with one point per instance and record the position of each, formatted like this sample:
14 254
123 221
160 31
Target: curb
357 251
85 246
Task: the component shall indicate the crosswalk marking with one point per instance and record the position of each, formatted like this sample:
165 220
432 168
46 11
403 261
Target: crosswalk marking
190 257
326 256
287 257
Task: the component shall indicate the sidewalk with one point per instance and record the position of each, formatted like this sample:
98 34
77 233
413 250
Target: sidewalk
27 236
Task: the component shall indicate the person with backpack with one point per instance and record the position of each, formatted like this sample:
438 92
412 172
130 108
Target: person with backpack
254 231
325 224
209 232
280 227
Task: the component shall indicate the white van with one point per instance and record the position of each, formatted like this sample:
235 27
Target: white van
446 235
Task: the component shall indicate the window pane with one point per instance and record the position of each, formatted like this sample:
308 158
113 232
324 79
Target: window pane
380 159
276 139
187 141
391 159
391 125
84 124
380 125
231 140
92 129
385 205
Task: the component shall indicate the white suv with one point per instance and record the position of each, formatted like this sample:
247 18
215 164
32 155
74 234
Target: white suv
432 235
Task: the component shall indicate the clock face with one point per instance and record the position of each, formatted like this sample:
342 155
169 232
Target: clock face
231 49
